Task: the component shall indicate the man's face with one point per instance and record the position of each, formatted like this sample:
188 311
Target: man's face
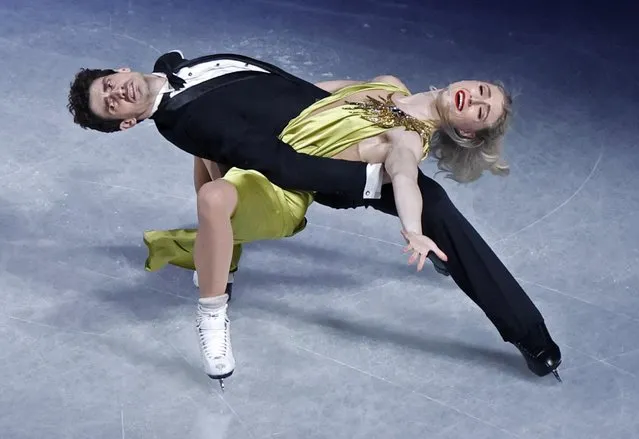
124 95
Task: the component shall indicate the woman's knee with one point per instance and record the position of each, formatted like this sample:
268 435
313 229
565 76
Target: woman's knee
218 197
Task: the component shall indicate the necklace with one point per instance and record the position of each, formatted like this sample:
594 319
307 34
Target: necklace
384 113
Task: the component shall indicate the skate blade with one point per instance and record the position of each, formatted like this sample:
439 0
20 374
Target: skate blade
220 380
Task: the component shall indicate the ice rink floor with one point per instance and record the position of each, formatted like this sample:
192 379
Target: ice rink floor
334 335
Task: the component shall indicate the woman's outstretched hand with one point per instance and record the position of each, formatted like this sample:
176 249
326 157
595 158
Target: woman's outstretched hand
421 245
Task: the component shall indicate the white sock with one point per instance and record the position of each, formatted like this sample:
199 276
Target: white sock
196 279
212 304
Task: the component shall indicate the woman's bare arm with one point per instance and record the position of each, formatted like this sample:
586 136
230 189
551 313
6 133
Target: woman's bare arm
401 164
333 86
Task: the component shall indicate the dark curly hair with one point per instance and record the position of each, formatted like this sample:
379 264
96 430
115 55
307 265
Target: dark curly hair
78 104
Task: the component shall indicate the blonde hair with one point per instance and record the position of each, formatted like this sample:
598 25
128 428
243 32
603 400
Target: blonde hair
464 159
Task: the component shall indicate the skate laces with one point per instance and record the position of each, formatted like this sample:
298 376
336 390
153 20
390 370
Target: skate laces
213 332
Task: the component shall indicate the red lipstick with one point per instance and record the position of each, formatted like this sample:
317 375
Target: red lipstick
460 100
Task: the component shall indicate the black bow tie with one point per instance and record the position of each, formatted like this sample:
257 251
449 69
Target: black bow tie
176 82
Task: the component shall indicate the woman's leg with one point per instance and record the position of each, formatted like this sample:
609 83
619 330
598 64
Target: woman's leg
175 246
213 248
216 201
241 207
205 171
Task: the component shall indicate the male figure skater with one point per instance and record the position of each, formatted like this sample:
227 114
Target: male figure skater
229 109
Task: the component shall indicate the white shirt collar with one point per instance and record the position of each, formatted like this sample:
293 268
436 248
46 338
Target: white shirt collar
165 89
199 73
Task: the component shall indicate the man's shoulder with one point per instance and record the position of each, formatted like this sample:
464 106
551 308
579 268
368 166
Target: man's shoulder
177 51
176 56
172 58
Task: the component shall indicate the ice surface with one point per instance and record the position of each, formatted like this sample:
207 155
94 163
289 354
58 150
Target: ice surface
334 335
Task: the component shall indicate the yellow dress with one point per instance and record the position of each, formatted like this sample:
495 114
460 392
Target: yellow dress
266 211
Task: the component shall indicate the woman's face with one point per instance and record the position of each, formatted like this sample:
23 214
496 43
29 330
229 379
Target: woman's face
471 106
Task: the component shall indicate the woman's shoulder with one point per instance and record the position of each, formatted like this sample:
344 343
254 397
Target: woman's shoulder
392 80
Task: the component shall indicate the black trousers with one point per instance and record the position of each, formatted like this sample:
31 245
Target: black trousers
471 262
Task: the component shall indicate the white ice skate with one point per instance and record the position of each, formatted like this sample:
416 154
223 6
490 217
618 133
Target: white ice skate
214 333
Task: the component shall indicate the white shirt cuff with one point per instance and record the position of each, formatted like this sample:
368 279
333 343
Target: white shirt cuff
374 180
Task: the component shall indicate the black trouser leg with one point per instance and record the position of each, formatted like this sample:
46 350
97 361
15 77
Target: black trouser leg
471 263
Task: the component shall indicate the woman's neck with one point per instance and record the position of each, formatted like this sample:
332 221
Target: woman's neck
421 106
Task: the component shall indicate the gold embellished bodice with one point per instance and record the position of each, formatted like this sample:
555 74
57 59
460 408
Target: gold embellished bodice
332 130
384 113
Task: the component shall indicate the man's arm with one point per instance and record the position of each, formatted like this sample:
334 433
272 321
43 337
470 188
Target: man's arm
234 142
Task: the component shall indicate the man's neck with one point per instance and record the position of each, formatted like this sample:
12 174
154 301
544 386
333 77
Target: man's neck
156 83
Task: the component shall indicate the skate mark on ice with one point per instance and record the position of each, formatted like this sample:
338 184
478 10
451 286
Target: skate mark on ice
122 278
618 369
144 43
126 188
342 297
33 165
122 422
563 293
578 299
219 395
560 206
421 395
327 11
321 226
594 359
58 328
